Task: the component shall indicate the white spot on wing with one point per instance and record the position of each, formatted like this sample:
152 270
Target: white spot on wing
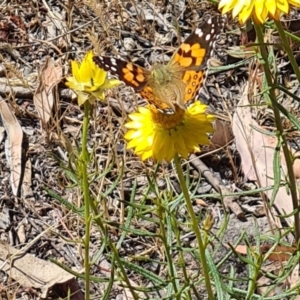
199 32
113 61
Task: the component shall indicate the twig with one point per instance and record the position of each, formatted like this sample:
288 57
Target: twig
230 202
23 92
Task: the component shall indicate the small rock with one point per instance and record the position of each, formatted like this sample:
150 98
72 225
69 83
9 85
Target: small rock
204 188
4 218
129 44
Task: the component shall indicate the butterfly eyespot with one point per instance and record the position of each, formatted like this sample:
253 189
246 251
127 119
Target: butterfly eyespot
188 65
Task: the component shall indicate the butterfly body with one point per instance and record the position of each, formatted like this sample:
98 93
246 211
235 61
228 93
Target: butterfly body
167 85
177 82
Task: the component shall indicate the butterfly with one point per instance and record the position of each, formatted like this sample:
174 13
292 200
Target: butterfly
178 81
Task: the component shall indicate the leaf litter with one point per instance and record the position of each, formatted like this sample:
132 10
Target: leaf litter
27 211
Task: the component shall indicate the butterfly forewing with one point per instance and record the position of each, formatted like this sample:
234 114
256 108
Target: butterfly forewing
194 53
132 74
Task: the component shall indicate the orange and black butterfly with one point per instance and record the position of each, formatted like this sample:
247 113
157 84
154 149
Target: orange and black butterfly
177 82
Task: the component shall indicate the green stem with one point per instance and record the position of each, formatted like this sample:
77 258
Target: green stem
194 226
84 160
288 49
168 251
182 263
281 134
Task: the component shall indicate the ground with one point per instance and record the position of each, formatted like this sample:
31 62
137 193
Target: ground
41 207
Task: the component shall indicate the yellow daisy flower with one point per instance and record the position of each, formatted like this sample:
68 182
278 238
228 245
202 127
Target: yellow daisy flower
88 80
259 10
161 136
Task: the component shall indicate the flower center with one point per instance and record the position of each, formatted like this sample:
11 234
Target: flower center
168 121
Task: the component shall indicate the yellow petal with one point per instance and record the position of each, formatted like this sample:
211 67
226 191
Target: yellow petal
82 97
258 10
75 70
154 134
237 9
88 77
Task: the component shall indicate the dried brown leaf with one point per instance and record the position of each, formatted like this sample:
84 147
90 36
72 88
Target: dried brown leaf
279 253
26 190
33 272
201 202
44 96
222 135
257 152
14 145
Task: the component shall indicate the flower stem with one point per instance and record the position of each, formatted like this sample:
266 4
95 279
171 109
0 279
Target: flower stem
280 134
194 226
84 160
288 49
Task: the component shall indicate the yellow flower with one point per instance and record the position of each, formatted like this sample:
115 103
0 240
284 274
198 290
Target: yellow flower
161 136
88 80
259 10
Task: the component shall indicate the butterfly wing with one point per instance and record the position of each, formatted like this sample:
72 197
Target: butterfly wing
132 74
190 60
194 53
